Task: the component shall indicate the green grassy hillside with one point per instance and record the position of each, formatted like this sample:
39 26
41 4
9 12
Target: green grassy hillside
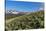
31 21
9 16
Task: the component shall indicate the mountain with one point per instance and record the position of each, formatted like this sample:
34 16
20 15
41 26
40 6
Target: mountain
30 21
11 14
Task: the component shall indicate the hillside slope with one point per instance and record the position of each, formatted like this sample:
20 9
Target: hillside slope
31 21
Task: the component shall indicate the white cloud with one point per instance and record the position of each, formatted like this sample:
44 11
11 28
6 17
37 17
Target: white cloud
30 0
41 8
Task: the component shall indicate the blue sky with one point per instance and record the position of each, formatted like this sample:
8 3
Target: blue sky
24 6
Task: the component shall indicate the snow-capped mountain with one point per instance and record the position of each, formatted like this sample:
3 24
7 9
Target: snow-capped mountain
11 12
16 12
